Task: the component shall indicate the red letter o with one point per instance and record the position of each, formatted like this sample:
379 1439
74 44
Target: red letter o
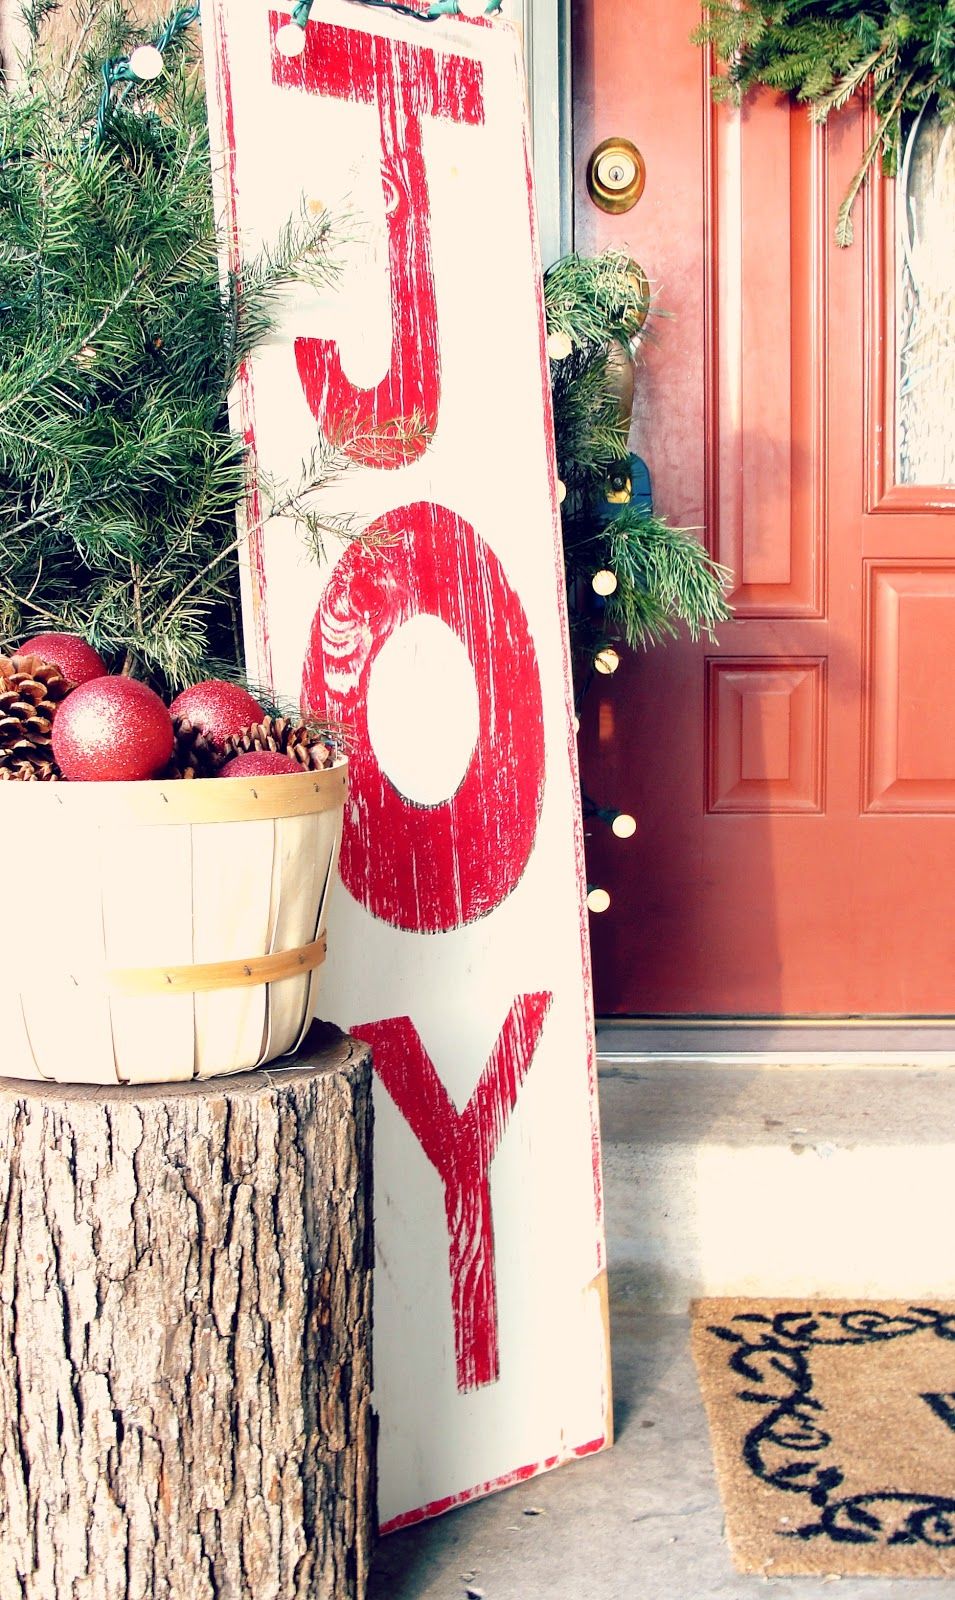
431 868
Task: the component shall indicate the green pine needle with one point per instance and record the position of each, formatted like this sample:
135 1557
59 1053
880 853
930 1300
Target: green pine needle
119 476
825 53
593 299
665 577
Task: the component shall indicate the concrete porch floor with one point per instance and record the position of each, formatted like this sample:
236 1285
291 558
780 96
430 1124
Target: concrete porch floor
640 1522
846 1162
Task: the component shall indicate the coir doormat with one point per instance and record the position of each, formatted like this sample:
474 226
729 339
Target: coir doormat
833 1431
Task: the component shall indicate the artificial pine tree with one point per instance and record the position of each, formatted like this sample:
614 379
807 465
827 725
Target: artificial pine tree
119 343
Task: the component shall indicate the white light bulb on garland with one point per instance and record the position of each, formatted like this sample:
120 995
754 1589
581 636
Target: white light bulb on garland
472 8
597 900
604 582
576 724
147 62
561 491
606 661
559 346
290 40
624 825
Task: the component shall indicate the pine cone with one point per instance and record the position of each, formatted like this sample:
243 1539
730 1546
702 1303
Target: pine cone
193 755
30 691
30 771
285 736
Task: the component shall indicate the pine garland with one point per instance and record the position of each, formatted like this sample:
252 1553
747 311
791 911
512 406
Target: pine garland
438 8
119 477
901 53
664 575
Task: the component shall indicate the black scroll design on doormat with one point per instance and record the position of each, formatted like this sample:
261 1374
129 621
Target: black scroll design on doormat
773 1354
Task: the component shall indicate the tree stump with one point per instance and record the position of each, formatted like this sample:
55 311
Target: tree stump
185 1308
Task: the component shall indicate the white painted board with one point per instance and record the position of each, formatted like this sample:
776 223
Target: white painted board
457 938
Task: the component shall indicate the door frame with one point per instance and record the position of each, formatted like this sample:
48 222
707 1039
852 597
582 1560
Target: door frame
546 29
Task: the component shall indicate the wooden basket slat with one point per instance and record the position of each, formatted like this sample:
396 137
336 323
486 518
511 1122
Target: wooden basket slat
291 921
69 1027
152 1037
328 843
232 891
30 930
330 838
18 1058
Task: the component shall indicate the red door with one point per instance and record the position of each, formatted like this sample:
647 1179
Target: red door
795 786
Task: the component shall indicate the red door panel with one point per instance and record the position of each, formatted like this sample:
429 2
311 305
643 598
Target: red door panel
794 785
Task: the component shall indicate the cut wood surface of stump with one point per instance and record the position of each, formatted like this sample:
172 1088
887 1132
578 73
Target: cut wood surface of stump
185 1310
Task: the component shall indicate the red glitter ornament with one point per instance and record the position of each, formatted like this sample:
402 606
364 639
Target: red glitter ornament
220 709
77 660
260 764
112 730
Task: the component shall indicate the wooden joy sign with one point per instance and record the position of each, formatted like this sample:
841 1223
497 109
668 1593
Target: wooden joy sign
457 940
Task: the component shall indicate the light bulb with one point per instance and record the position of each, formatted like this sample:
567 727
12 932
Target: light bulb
597 900
559 346
604 582
472 8
290 40
624 825
606 661
146 62
576 724
561 491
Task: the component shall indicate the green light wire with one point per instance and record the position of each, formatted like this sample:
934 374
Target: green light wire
118 71
450 8
438 8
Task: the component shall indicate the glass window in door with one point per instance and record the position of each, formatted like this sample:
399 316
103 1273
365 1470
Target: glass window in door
925 302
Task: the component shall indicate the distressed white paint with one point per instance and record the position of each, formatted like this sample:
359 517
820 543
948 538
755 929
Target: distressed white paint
426 751
490 462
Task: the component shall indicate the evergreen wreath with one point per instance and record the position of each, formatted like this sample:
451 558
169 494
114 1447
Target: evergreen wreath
900 53
597 306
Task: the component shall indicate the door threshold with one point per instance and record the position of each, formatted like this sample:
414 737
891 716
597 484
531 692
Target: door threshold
797 1041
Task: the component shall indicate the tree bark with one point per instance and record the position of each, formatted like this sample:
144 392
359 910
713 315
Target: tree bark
185 1307
12 38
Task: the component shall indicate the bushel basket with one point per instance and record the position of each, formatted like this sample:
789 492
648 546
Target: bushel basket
163 931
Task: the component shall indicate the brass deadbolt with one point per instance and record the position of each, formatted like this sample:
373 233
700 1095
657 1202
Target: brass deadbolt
616 174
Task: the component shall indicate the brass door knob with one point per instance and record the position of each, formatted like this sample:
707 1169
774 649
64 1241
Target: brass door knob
616 174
